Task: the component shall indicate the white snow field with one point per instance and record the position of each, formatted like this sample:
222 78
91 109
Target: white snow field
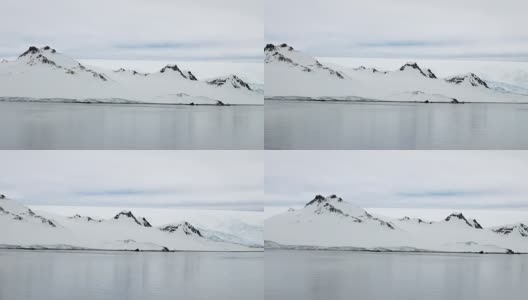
240 227
331 223
46 75
290 74
24 228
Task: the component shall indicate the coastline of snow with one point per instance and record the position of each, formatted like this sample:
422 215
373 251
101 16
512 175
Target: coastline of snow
293 75
43 74
330 223
23 228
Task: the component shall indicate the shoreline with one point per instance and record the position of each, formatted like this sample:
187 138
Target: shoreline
124 250
358 249
119 102
304 99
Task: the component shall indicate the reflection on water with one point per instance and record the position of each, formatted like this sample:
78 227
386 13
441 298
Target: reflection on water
337 125
306 275
28 275
129 126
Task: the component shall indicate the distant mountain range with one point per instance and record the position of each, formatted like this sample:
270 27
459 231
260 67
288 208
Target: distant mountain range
292 74
331 223
46 75
23 228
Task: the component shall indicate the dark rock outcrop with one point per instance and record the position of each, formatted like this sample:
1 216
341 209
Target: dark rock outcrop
175 68
460 216
508 229
129 214
234 80
473 79
427 73
187 228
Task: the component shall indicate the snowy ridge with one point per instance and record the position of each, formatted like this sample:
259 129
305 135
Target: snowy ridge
519 229
332 223
128 216
184 228
286 55
23 228
413 67
290 74
232 80
468 79
186 74
45 74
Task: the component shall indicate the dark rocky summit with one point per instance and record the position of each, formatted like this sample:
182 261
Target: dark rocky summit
175 68
460 216
508 229
427 73
129 214
473 79
234 80
187 228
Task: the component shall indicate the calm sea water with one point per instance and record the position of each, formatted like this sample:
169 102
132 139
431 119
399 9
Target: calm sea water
306 275
63 275
338 125
129 126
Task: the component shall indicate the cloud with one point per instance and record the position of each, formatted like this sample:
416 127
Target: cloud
203 179
135 29
416 179
410 28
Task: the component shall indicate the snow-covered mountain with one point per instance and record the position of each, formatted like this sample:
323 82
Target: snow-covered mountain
231 80
292 74
518 229
183 228
23 228
469 79
286 55
332 223
47 75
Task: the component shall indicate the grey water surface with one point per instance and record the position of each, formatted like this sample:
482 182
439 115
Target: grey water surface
307 125
66 275
336 275
38 125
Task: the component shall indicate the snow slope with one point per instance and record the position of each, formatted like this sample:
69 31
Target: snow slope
332 223
21 227
46 74
240 227
290 73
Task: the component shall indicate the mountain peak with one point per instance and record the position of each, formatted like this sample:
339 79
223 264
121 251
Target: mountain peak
232 79
285 54
470 78
413 65
46 56
88 219
184 227
129 214
521 228
35 50
459 216
184 73
271 47
320 199
133 72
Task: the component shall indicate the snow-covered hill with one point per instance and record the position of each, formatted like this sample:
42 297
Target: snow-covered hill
23 228
290 73
332 223
47 75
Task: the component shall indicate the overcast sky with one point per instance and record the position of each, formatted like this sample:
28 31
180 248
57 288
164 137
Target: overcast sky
472 29
136 29
188 179
407 179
